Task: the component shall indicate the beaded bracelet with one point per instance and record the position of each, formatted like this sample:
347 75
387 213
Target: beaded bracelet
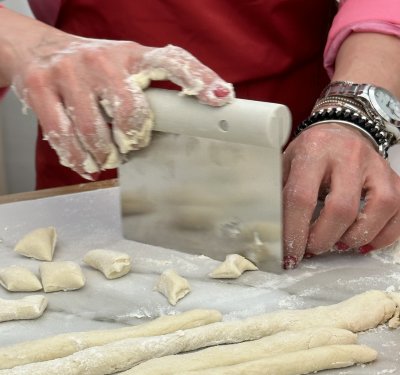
373 130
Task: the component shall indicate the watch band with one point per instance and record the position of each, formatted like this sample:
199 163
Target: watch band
345 88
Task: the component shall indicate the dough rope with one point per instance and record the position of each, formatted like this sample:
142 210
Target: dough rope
65 344
122 355
298 363
225 355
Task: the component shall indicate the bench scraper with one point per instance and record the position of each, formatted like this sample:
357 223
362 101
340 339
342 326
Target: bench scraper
210 181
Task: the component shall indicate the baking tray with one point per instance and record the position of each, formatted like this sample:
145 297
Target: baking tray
89 220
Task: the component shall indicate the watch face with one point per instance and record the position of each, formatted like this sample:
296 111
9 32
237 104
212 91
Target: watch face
386 104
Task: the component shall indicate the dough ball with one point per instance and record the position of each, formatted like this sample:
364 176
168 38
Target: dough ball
61 276
39 244
172 286
19 279
30 307
112 264
233 266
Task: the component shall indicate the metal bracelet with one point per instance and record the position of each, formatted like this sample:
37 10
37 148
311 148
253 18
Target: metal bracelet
373 130
347 102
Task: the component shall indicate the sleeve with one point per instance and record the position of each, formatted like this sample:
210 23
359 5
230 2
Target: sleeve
360 16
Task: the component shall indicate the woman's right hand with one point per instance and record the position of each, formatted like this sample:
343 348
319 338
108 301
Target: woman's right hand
64 78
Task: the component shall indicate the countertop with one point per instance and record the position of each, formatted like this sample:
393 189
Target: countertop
87 217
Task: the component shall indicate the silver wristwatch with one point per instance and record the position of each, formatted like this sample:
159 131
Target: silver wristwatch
376 102
371 109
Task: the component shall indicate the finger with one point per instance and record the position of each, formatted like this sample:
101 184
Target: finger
131 115
382 203
89 124
340 210
300 196
387 236
182 68
58 130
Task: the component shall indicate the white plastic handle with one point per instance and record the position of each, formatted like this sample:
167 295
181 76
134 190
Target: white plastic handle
243 121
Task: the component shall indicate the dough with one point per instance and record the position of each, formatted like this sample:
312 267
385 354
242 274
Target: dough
30 307
298 363
38 244
19 279
394 322
66 344
233 266
61 276
224 355
112 264
172 286
122 355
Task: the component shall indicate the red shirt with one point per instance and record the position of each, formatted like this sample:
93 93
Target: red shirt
271 50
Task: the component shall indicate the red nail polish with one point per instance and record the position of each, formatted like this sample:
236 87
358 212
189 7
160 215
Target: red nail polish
221 92
309 255
341 246
289 262
95 176
365 249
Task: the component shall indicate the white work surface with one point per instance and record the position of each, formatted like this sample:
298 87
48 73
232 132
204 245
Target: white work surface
89 220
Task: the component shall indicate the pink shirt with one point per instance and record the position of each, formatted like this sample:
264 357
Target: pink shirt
361 16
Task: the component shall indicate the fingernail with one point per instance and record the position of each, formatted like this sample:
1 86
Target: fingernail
95 176
289 262
341 246
365 249
309 255
221 92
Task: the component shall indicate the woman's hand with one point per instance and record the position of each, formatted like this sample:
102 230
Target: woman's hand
64 78
338 160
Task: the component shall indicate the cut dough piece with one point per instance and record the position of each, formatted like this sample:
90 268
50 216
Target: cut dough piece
38 244
394 322
225 355
61 276
172 286
30 307
233 266
66 344
19 279
298 363
112 264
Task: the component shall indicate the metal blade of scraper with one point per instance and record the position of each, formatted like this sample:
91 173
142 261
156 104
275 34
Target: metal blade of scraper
210 181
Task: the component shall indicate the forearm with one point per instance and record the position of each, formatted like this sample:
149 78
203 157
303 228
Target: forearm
20 39
370 58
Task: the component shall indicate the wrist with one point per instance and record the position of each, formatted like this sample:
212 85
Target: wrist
19 47
374 111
